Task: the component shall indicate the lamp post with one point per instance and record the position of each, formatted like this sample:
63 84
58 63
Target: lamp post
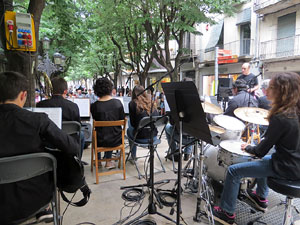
46 65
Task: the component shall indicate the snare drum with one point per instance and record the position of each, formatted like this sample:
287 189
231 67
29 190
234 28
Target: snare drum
231 153
233 127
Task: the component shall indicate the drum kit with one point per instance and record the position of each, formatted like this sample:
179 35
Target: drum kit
228 151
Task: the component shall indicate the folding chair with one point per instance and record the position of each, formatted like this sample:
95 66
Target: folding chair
23 167
96 149
145 122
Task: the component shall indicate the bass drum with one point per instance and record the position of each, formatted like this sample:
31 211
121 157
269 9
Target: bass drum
214 170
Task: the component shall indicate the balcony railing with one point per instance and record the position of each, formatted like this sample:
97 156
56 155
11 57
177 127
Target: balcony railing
280 48
239 48
271 6
260 4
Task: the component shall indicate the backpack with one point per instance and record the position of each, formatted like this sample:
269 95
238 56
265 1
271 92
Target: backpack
70 178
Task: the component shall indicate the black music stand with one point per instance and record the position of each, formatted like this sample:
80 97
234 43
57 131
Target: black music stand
187 111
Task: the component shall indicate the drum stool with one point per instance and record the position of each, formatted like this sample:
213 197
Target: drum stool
289 188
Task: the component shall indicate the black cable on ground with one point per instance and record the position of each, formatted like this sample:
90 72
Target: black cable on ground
133 194
165 197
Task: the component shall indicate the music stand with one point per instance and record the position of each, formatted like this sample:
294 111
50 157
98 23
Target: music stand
188 114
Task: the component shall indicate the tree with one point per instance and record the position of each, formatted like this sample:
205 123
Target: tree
169 19
20 61
125 29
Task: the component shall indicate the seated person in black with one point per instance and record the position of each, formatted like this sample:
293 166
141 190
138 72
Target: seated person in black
107 109
70 110
24 132
139 107
241 98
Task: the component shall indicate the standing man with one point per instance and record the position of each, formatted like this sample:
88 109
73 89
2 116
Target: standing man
241 98
93 98
23 132
250 79
70 110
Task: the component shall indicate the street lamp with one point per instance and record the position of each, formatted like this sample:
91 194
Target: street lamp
45 64
46 43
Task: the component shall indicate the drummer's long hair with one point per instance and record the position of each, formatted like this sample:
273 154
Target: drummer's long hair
286 94
143 101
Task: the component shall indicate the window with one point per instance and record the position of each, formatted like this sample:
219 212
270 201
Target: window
286 35
245 39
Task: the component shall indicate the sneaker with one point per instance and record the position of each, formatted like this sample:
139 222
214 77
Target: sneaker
110 165
259 203
223 217
45 216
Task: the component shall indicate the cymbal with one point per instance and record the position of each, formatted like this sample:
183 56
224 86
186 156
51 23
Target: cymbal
253 115
216 129
211 108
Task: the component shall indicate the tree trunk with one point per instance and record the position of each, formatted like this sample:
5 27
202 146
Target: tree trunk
142 79
21 61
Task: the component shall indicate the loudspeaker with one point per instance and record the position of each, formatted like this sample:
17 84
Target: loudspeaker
224 88
86 128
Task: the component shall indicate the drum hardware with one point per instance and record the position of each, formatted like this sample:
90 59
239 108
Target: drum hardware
251 136
203 191
187 111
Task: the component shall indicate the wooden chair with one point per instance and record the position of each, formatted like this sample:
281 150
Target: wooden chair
96 150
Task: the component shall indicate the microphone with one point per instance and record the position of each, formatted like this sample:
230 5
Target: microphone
260 73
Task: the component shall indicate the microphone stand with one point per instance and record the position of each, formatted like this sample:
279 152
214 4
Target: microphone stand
151 206
253 126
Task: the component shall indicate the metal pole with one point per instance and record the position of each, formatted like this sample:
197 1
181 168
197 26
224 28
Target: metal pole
216 70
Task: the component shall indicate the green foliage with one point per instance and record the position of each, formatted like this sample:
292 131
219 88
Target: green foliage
102 36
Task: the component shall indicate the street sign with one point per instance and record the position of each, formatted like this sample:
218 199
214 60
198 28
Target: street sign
227 57
224 52
228 61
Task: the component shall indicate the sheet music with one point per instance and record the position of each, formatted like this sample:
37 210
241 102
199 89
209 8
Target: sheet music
126 101
83 105
54 114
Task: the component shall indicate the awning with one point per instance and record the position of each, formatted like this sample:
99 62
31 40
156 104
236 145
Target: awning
214 36
244 17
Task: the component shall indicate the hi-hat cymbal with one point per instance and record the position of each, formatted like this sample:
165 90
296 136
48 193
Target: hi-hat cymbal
252 115
211 108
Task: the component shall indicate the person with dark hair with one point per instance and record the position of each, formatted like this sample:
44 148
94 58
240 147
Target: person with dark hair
23 132
107 109
241 98
70 110
139 107
283 133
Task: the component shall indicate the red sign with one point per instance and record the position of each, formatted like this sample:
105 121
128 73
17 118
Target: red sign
224 52
227 61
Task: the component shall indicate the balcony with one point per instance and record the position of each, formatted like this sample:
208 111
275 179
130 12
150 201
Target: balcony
243 49
271 6
280 48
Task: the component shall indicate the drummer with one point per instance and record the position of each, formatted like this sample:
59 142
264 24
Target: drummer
283 133
241 98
